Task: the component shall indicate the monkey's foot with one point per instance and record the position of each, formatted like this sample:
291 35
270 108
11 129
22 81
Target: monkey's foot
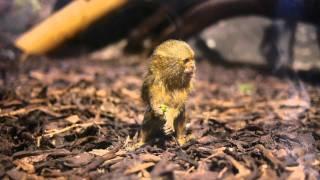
184 139
134 146
139 144
168 128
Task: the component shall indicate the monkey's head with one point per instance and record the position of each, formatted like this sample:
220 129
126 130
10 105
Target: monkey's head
173 62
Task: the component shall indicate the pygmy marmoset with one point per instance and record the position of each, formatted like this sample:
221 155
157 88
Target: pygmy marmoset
165 90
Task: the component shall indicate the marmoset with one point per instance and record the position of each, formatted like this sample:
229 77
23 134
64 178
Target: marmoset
165 90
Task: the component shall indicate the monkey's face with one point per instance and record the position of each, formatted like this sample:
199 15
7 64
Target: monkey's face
173 61
189 67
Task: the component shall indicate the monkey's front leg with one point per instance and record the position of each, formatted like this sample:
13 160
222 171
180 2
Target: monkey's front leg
170 116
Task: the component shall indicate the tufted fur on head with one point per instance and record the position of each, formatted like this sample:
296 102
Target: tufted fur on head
173 64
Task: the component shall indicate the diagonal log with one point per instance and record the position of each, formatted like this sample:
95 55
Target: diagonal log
65 23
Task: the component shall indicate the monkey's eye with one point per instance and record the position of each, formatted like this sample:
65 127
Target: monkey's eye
186 60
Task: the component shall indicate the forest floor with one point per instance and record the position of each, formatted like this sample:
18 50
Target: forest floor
77 118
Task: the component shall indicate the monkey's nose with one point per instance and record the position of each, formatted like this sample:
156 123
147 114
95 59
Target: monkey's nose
189 70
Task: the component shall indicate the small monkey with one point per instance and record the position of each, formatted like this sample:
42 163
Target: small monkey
165 90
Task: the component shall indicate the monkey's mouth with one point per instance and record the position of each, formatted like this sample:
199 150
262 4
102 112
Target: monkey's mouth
189 73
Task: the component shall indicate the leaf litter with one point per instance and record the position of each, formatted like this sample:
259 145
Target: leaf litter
76 118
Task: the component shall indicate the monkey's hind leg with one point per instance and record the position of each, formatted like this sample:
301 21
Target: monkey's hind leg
180 129
151 127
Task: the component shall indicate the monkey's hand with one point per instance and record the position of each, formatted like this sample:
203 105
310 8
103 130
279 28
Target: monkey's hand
170 116
160 110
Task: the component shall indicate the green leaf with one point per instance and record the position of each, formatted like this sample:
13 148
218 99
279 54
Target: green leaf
246 88
164 108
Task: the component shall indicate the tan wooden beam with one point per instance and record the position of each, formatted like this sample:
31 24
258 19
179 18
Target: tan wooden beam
64 24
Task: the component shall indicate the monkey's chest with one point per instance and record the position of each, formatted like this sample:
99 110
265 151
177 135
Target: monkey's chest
176 99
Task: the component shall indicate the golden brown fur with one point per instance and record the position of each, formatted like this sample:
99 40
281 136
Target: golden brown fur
166 88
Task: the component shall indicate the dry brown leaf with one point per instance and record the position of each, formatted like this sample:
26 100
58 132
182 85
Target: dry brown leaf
35 159
268 154
99 152
73 119
267 173
149 158
206 139
29 109
225 104
290 109
281 153
243 171
113 51
316 162
236 125
200 175
78 160
216 152
112 161
131 94
25 165
145 175
39 75
297 173
54 132
163 167
139 167
222 172
203 167
15 174
101 93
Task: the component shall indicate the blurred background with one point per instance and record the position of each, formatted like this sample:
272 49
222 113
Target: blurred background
277 33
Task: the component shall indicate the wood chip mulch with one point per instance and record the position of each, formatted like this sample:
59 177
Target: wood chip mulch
78 118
